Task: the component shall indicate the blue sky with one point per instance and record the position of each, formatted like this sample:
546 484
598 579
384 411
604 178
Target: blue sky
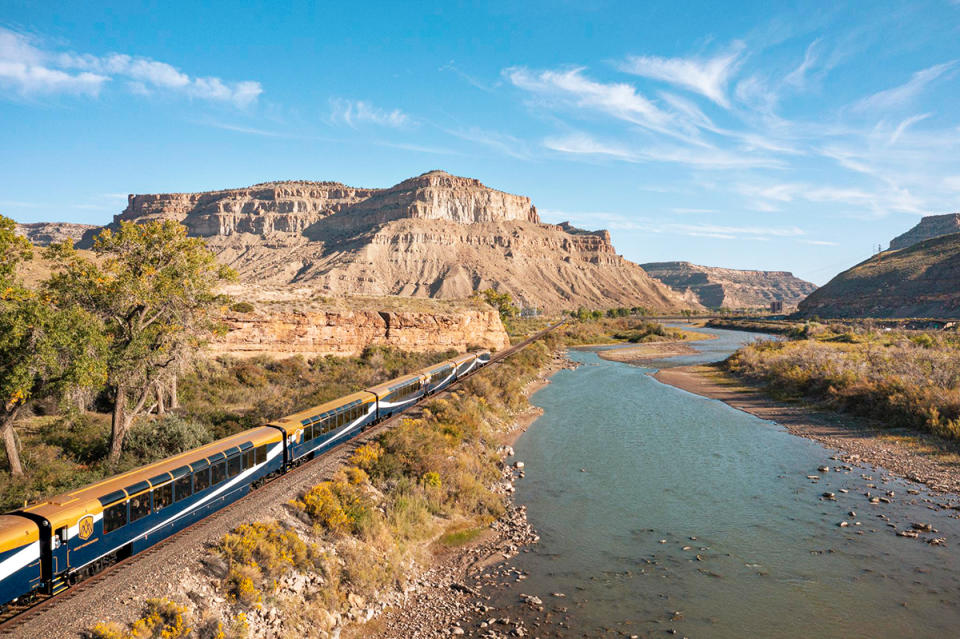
792 136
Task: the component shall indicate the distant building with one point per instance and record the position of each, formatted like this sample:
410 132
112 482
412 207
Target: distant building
776 306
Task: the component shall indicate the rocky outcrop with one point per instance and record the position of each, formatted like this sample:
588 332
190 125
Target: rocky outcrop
440 196
314 333
715 287
435 235
47 233
929 227
918 281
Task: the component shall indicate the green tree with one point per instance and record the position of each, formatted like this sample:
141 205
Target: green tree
45 350
503 302
154 289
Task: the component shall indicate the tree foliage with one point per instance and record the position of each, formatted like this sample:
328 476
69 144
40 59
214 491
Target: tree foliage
153 290
503 302
45 349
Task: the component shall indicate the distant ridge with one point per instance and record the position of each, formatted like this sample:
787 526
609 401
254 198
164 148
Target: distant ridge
47 233
716 287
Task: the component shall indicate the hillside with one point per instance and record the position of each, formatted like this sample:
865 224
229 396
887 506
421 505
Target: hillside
715 287
927 228
435 235
922 280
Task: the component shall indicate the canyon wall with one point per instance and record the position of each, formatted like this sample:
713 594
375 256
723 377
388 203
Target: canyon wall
314 333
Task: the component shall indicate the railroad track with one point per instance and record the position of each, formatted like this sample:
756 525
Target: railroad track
19 615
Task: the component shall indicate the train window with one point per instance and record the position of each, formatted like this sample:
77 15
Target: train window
162 496
218 473
184 487
139 506
248 459
114 517
201 480
234 465
261 452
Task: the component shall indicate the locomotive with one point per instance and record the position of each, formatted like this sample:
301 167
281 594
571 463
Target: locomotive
49 545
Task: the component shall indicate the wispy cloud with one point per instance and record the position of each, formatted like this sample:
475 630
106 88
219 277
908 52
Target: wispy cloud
704 158
581 143
798 77
901 96
906 123
502 143
708 77
358 112
30 70
683 211
469 79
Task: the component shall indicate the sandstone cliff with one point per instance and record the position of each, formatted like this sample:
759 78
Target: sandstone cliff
435 235
929 227
47 233
715 287
298 321
922 280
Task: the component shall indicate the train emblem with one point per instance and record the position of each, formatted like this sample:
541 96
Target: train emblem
85 527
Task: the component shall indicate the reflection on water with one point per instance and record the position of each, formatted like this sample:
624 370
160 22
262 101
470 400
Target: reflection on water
695 517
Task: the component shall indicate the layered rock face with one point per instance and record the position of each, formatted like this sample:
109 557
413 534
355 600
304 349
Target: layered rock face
262 209
929 227
730 288
314 333
922 280
47 233
435 235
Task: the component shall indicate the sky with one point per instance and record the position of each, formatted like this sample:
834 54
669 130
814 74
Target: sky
760 135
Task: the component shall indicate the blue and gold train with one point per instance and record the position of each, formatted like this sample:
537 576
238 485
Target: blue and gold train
49 545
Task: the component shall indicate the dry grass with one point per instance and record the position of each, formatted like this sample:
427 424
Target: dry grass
900 379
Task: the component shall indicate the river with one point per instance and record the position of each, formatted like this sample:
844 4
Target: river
664 512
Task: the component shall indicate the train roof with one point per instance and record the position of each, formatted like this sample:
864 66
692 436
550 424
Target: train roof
392 384
466 357
16 532
68 507
311 414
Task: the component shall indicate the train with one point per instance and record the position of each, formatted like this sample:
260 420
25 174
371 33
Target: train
49 545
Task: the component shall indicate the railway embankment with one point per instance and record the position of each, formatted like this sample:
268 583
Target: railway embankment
383 544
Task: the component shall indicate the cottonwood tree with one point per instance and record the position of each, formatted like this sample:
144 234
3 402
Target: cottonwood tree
154 290
45 349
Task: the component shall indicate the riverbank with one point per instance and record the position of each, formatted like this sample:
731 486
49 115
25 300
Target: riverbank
915 456
442 597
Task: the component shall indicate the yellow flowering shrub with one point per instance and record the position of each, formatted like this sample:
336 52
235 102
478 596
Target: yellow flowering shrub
163 619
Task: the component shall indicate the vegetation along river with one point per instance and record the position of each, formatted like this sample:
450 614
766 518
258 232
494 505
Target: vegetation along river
693 517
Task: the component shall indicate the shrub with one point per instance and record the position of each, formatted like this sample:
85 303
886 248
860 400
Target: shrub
242 307
162 619
156 438
269 547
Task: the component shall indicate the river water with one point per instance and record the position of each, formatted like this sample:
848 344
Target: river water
662 511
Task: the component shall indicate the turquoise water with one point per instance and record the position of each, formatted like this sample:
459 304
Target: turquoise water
685 505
